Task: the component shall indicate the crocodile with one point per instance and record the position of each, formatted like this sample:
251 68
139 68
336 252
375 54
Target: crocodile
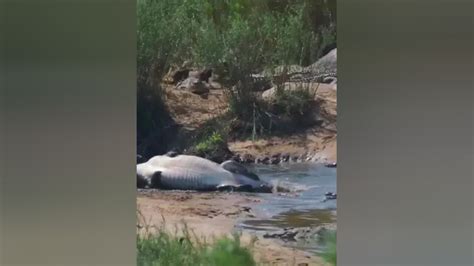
322 71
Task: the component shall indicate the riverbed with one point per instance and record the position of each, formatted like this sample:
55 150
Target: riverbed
213 214
307 207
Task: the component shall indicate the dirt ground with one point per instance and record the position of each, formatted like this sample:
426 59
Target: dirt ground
210 215
319 143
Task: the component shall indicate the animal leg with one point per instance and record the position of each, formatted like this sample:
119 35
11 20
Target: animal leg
155 180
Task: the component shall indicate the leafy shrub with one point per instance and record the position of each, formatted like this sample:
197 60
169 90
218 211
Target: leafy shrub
214 142
295 104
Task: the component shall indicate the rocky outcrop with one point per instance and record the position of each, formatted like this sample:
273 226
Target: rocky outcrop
194 85
192 80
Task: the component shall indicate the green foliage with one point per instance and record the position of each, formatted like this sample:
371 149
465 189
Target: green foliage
212 143
162 249
294 104
227 251
329 254
234 37
165 32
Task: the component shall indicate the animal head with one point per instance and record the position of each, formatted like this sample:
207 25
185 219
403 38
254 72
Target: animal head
249 180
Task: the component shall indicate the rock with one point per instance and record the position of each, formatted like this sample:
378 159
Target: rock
302 157
205 74
213 85
218 153
202 75
265 160
176 74
194 74
194 85
237 158
275 159
248 158
179 75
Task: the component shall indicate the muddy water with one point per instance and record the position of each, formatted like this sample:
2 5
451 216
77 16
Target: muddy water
305 208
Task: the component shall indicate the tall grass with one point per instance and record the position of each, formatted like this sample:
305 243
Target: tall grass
233 37
329 254
163 248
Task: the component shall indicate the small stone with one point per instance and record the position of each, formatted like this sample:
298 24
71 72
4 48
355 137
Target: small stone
248 158
276 155
275 160
237 158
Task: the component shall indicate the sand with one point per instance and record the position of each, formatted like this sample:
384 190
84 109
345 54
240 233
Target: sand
214 214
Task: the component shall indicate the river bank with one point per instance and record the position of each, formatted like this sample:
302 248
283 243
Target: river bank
317 143
210 215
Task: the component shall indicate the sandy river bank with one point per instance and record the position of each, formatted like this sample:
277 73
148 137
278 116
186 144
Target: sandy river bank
214 214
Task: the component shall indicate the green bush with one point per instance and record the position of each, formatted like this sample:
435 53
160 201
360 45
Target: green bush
329 254
229 252
212 143
235 38
165 249
294 104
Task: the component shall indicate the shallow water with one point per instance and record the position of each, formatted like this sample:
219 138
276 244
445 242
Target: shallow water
306 208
